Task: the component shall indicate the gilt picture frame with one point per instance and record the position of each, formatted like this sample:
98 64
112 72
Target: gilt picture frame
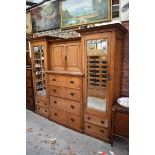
83 12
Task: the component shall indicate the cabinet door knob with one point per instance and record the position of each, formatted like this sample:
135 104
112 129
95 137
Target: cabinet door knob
72 119
55 102
44 103
102 122
55 114
88 118
37 101
102 131
72 94
72 82
54 80
89 126
72 106
54 90
45 110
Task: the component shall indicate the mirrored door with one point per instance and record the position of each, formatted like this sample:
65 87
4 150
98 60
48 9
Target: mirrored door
39 70
97 74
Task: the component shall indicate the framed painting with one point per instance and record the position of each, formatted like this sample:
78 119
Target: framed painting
84 12
124 10
46 16
28 23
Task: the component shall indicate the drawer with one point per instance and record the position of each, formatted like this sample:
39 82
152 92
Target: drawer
64 81
42 110
29 100
56 91
29 91
28 83
73 121
28 73
95 130
58 116
41 102
96 120
65 105
72 94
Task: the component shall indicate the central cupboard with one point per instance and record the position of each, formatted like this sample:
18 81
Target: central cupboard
83 79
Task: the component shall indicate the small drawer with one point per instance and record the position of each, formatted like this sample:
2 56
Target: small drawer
42 103
28 73
65 81
96 120
72 94
28 83
29 100
65 105
58 116
29 91
42 110
73 121
95 130
56 91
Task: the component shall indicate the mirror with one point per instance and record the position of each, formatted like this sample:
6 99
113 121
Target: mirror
97 70
39 70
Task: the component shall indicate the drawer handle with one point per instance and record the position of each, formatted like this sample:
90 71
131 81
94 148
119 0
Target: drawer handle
55 114
55 102
102 131
54 90
72 120
72 82
89 126
54 80
72 106
88 118
72 94
102 122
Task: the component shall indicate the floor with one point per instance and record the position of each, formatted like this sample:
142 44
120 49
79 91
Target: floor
44 137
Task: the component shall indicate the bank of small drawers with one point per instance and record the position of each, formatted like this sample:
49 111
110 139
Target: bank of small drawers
96 126
65 98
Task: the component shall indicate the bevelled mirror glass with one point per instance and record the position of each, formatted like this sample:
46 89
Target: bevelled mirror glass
39 70
97 70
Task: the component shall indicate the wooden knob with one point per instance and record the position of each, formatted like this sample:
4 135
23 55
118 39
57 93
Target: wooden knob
54 90
45 110
72 94
102 122
37 101
72 106
55 102
54 80
72 82
39 108
89 126
72 119
55 114
88 118
44 103
102 131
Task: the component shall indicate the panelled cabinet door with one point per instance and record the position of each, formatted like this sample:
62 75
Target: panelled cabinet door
73 55
58 57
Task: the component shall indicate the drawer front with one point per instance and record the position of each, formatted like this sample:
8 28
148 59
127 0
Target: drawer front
28 73
41 102
56 91
98 131
29 91
73 121
58 116
66 105
28 83
64 81
96 120
72 94
42 110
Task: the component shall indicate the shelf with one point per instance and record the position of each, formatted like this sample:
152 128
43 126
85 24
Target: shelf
40 80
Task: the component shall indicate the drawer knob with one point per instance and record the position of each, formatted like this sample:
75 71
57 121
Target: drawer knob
72 120
72 94
89 126
44 103
37 101
88 118
102 122
55 114
54 80
39 108
55 102
72 82
54 90
45 110
72 106
102 131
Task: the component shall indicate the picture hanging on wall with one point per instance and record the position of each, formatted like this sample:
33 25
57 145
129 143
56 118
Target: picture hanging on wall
28 23
46 16
83 12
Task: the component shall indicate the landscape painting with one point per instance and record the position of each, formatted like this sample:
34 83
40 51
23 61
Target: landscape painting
83 12
46 16
28 23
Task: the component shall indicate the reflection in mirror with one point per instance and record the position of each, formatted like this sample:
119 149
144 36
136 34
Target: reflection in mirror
39 70
97 52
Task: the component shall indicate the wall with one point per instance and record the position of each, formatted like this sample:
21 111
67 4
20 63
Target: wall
125 73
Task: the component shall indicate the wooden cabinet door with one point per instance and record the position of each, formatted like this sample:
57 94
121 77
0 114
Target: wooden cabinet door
58 57
73 55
